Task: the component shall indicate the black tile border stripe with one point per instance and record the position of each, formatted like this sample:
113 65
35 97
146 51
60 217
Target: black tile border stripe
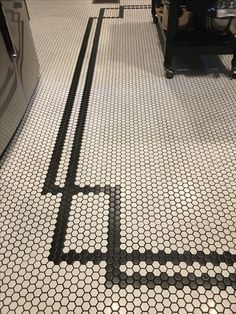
114 256
77 143
106 1
58 148
68 192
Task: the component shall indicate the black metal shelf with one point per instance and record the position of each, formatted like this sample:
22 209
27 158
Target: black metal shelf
193 42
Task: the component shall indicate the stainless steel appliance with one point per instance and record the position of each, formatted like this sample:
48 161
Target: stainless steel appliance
19 68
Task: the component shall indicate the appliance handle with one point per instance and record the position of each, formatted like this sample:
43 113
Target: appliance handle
7 35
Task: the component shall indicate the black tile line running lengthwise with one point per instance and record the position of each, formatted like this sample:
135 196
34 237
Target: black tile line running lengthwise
58 148
114 257
64 209
105 1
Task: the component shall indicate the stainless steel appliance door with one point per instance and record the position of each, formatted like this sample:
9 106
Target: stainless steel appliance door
17 18
12 100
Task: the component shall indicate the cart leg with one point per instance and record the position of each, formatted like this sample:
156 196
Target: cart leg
167 62
153 11
169 73
172 28
153 7
233 69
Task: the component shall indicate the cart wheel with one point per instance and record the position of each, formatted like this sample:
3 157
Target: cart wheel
155 19
233 72
169 73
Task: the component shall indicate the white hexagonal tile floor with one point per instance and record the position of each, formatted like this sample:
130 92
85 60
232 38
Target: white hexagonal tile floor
118 190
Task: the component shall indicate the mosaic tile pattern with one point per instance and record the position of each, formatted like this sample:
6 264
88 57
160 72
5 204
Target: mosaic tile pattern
138 213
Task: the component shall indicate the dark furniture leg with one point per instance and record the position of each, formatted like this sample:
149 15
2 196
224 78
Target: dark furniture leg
169 73
233 63
155 3
173 20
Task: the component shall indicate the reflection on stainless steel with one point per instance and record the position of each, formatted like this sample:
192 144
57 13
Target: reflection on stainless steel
27 63
12 100
7 35
19 68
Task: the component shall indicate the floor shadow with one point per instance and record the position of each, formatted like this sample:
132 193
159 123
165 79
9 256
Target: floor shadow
200 66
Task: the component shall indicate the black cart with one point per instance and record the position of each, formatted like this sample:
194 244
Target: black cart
197 41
